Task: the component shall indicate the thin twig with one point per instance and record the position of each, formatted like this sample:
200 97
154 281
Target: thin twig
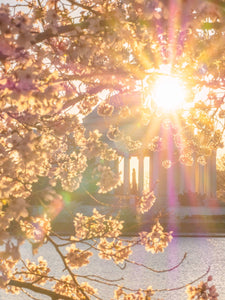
185 285
157 271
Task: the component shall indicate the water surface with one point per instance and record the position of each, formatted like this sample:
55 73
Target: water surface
201 253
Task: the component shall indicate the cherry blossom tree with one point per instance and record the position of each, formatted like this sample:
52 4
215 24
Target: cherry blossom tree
58 60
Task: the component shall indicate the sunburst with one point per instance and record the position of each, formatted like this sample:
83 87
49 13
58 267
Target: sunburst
168 92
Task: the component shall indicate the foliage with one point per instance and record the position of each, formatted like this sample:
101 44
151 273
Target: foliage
191 199
58 60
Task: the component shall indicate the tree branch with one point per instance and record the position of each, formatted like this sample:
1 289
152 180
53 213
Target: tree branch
67 267
48 33
37 289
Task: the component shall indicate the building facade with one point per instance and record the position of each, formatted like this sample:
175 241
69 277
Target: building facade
152 166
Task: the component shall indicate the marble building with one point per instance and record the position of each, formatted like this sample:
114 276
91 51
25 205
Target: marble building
142 168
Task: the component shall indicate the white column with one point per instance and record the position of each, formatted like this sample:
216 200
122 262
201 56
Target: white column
201 179
151 171
213 175
126 174
112 165
146 174
154 164
207 177
182 179
193 172
176 177
197 178
141 174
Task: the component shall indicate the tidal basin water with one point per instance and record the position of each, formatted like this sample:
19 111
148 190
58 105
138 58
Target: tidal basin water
202 252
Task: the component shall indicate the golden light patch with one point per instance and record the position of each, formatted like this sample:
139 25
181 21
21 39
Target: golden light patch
168 92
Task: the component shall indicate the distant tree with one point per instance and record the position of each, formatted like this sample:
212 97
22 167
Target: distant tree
58 60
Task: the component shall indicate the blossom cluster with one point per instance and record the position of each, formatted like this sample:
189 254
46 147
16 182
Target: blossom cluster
145 202
124 112
105 109
69 287
156 240
202 160
108 179
96 226
155 144
95 147
87 103
37 228
131 144
69 170
77 258
186 160
202 291
6 267
37 273
115 250
114 134
166 164
120 294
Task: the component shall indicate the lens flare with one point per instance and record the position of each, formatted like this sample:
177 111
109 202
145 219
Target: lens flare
168 93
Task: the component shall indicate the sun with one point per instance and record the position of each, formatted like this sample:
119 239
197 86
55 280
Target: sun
168 92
